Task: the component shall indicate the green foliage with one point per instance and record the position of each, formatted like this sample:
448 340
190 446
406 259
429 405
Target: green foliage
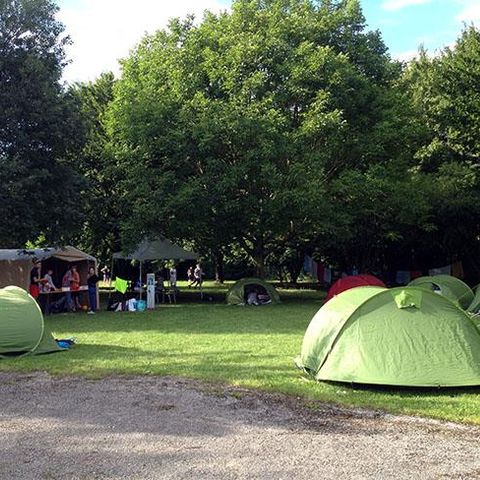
379 207
102 196
39 190
445 94
232 128
256 135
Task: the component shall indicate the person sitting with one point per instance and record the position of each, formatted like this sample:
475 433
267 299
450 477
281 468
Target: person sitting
252 298
47 282
264 298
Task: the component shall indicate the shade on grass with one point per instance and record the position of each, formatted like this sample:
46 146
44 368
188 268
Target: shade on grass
251 347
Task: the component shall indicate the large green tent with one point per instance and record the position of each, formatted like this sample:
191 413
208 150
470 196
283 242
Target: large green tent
22 329
236 293
448 286
402 336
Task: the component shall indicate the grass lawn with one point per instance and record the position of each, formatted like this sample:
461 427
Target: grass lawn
243 346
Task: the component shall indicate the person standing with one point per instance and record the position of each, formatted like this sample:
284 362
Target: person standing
92 281
34 287
191 278
198 276
66 288
75 286
173 277
107 279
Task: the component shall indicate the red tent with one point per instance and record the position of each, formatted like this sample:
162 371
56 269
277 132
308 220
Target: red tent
353 281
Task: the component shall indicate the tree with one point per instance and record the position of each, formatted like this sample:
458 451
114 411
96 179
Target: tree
95 160
233 128
445 93
39 189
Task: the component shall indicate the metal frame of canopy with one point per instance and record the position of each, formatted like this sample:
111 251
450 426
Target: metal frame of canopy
150 250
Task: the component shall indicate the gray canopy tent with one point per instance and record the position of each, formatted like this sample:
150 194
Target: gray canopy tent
159 249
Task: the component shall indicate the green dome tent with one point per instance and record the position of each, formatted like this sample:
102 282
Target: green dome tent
450 287
22 329
402 336
236 294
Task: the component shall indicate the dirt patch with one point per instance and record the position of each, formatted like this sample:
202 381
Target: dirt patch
155 428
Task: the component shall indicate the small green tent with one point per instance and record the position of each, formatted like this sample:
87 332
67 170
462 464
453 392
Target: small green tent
236 294
402 336
22 329
448 286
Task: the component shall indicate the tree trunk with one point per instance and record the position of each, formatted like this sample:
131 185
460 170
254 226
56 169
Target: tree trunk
257 254
219 267
295 266
259 260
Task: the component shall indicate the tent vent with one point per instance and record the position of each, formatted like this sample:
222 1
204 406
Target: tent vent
408 299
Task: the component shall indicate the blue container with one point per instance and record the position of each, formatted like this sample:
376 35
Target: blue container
141 305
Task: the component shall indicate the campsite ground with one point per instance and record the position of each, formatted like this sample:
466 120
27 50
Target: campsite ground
145 427
206 390
250 347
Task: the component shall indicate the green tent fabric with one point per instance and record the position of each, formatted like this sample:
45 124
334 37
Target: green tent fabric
236 293
371 335
22 329
450 287
474 306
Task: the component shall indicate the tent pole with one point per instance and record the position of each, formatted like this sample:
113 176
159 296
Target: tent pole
110 286
141 283
97 293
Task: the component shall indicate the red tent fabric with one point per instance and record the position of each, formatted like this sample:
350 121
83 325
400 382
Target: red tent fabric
353 281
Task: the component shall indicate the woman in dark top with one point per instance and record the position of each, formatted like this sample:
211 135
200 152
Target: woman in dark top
92 281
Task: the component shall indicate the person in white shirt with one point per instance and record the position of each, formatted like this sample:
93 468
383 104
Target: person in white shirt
47 282
197 276
252 298
173 277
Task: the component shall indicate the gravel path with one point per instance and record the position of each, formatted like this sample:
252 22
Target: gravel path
156 428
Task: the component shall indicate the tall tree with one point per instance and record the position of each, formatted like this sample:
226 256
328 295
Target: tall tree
445 91
39 190
233 128
102 196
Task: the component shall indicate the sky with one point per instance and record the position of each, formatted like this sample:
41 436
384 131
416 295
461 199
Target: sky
104 31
